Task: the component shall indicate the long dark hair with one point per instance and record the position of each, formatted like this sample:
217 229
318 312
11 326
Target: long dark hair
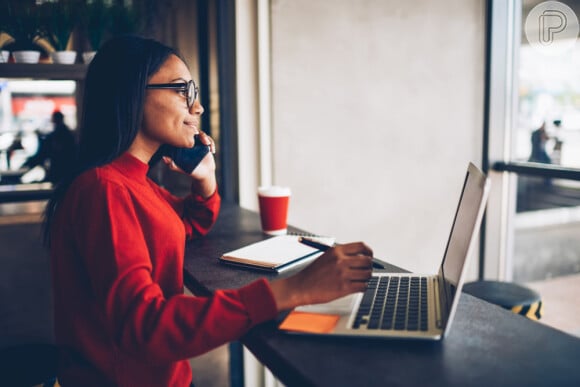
112 106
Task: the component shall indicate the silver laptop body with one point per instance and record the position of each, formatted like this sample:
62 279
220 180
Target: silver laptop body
440 292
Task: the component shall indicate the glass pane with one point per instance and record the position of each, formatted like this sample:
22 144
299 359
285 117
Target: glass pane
547 221
548 125
26 108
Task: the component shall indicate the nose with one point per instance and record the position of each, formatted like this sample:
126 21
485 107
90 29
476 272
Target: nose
197 108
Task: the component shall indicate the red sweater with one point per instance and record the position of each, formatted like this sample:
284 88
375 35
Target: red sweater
117 249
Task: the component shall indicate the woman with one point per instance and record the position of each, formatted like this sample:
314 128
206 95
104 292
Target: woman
117 239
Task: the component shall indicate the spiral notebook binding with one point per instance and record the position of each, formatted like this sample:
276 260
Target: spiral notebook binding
324 239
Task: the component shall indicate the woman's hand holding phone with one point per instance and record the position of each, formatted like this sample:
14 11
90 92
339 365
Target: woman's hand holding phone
198 162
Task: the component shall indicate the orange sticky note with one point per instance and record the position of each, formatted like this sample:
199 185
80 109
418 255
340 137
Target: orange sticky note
309 322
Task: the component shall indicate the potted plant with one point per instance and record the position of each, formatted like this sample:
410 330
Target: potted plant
58 19
96 19
4 56
21 22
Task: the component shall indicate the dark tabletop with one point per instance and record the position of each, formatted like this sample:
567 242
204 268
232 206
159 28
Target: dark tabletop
487 345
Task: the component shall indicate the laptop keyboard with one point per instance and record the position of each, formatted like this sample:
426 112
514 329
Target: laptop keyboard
394 303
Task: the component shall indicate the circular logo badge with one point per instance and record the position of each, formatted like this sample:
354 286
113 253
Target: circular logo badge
551 27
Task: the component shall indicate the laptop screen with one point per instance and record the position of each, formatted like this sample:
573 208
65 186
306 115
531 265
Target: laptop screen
463 232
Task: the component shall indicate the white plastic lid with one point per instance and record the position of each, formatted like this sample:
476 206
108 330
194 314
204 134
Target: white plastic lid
274 191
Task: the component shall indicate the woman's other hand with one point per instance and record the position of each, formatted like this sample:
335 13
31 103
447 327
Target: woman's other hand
342 270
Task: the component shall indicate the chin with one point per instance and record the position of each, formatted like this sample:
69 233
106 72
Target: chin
190 140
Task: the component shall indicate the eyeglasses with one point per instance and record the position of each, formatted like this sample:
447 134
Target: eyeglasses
189 90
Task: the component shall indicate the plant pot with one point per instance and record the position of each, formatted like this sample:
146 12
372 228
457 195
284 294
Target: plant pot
88 56
4 56
26 56
63 57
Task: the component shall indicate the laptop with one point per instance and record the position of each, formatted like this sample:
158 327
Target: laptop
407 305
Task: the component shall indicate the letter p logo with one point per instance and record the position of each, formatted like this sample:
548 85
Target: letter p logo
551 22
552 28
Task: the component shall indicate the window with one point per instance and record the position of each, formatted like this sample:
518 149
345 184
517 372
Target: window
26 107
547 132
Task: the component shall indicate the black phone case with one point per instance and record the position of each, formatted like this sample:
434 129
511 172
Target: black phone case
187 158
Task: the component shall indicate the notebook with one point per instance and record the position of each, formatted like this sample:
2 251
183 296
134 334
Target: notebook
406 305
275 254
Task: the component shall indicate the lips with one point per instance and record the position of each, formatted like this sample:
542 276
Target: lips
192 125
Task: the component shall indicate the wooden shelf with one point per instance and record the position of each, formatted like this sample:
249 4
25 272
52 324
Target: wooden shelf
43 71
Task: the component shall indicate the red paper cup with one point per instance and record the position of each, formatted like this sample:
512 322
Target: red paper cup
273 203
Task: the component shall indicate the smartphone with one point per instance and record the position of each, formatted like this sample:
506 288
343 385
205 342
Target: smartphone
187 158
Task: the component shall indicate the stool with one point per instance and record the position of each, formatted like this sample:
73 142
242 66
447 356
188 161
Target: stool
511 296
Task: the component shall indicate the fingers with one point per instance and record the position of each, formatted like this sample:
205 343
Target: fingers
207 140
358 262
356 248
360 274
354 280
358 286
355 255
170 163
351 262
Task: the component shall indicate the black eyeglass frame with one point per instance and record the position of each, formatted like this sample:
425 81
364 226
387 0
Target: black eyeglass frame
191 89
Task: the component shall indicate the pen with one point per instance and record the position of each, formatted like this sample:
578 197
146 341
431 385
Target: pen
323 247
313 243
